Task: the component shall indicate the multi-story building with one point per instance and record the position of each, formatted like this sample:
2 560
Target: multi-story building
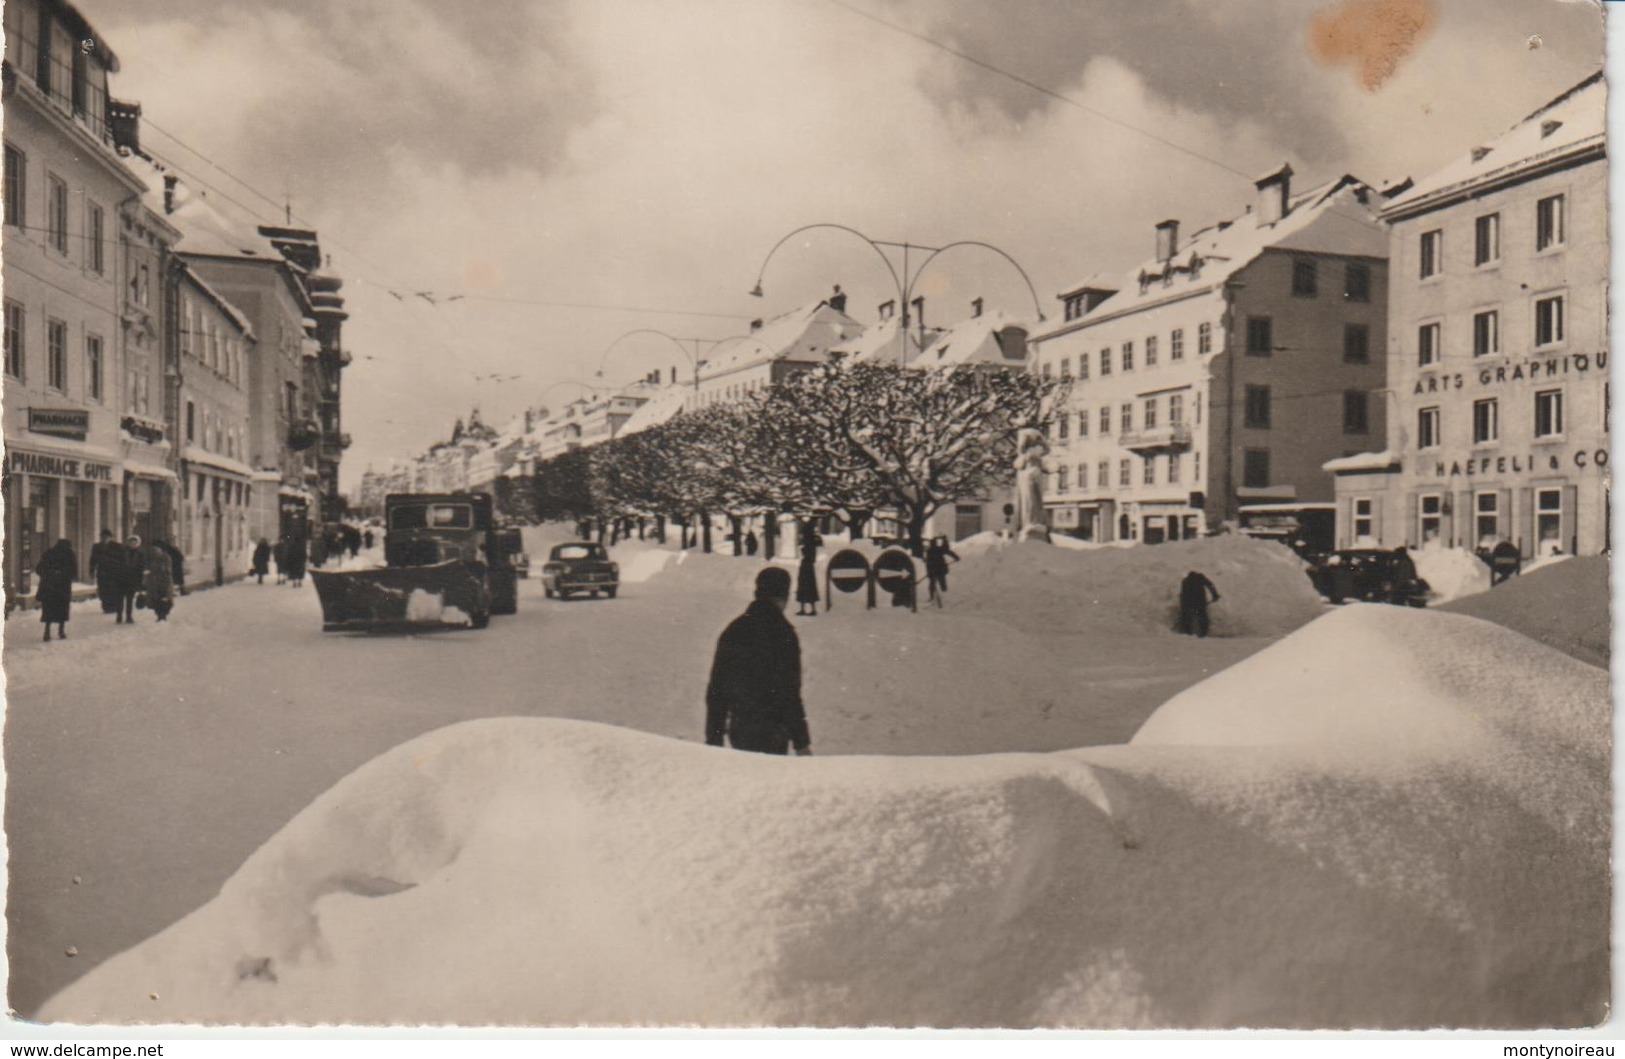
1497 348
1224 371
66 197
147 429
216 349
787 344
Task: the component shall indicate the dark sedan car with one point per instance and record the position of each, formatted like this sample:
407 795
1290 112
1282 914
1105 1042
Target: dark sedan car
580 566
1374 575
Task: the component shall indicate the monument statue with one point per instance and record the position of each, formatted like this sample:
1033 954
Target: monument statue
1031 448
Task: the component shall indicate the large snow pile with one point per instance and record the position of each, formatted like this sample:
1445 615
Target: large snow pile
1562 603
1372 823
1038 586
1451 573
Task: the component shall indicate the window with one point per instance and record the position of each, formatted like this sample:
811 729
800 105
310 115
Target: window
1432 253
1356 282
1149 470
1356 344
1083 476
1431 510
56 354
1043 370
1486 333
1173 468
1487 518
1127 419
14 340
1106 361
1105 420
1176 409
1176 345
1486 421
1305 281
1128 356
1151 351
1548 413
1549 520
1074 307
292 397
57 219
1083 423
16 186
1427 428
1255 468
1066 369
1122 472
1427 345
1103 475
95 236
1204 339
1362 519
1150 413
1063 426
93 367
1196 467
191 421
1549 320
1061 479
1356 412
1487 239
1083 365
1259 338
1549 223
1257 407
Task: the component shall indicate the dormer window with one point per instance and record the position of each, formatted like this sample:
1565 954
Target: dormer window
1479 153
1548 127
1074 307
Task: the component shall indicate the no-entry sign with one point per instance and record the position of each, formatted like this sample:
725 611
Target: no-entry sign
848 571
894 570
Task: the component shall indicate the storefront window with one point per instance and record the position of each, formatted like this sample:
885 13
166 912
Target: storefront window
1362 519
1549 521
1488 523
1432 517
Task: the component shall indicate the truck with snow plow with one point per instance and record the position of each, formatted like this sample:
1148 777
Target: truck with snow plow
445 565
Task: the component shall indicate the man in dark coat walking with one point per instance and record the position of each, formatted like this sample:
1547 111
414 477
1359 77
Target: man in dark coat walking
132 571
754 696
56 570
1194 593
106 565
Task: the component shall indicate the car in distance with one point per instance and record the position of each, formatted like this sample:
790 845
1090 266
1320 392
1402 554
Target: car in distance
1373 575
579 566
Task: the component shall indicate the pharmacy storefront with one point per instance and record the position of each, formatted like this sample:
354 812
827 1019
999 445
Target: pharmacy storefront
51 494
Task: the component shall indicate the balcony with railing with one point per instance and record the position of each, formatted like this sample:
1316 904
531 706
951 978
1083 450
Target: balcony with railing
1157 439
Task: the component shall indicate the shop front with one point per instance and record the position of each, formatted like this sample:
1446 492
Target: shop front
50 496
1544 502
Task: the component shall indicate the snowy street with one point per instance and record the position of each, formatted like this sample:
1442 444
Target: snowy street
145 764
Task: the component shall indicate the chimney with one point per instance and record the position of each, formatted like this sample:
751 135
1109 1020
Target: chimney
170 180
975 307
837 301
1274 192
1167 240
886 309
918 305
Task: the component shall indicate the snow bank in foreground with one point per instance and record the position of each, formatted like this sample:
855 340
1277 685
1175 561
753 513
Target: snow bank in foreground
1451 573
1136 589
1563 605
1372 823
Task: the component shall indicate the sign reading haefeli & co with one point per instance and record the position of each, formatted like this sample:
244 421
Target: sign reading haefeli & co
71 423
21 461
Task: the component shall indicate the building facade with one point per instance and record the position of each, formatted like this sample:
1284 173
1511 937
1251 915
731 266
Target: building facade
66 194
1497 349
1223 372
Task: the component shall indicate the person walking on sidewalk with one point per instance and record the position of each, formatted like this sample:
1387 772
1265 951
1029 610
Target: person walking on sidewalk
106 566
754 695
159 583
262 560
56 569
807 574
132 568
937 555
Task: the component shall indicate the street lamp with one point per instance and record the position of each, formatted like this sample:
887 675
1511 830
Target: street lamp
905 282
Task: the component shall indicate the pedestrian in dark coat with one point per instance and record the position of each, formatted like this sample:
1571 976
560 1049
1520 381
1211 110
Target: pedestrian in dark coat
294 564
159 582
937 555
751 543
106 563
279 555
262 560
754 695
352 541
1194 595
366 540
132 568
177 564
807 574
56 569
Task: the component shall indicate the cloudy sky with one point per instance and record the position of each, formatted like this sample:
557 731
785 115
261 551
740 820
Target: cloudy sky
571 170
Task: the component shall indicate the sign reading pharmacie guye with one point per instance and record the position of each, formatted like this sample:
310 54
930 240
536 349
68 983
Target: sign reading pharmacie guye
22 461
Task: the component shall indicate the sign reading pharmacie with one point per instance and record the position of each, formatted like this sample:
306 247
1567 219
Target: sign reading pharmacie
21 461
71 423
1535 369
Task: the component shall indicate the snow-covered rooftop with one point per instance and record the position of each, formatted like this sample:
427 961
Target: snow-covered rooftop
657 410
205 229
885 342
976 341
805 333
1362 461
1573 121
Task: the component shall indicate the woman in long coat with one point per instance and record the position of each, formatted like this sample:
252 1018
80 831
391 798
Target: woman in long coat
293 564
159 583
807 574
56 570
262 559
106 567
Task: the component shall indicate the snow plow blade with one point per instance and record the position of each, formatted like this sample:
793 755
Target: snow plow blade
404 598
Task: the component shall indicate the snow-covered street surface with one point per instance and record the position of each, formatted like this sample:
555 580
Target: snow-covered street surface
148 762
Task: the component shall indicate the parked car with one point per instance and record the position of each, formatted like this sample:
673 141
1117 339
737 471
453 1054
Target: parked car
1374 575
580 566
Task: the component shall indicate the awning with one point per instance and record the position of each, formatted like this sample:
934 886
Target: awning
215 461
162 474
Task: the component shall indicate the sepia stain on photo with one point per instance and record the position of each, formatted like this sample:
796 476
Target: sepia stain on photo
1182 429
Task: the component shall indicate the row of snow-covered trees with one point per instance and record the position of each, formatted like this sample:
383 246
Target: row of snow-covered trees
845 439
